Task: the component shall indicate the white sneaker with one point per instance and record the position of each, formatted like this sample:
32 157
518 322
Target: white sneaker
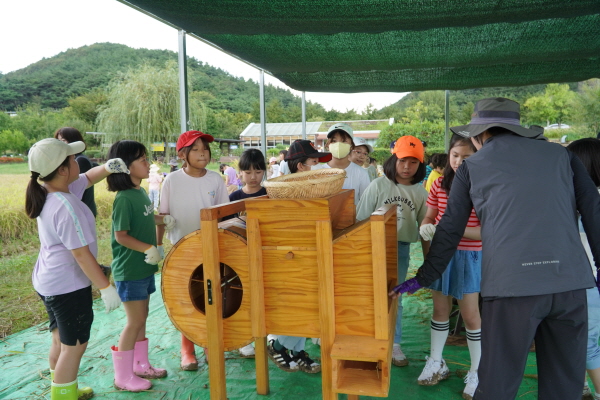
472 380
434 372
271 337
398 357
247 351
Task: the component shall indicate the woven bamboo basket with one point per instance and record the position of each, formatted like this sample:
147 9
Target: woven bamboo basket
306 185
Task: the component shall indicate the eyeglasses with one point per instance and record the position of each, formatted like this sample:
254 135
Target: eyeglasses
360 153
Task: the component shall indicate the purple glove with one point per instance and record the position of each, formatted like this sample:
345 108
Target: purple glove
410 286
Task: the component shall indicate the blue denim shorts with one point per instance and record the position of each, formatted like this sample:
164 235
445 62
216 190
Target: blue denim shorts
140 289
462 276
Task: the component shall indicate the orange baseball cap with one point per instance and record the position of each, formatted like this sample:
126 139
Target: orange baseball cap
409 146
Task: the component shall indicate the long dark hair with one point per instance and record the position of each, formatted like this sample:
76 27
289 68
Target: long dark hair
588 151
455 140
128 151
35 195
389 169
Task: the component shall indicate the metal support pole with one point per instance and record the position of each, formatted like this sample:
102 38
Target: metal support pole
183 87
303 115
447 120
263 115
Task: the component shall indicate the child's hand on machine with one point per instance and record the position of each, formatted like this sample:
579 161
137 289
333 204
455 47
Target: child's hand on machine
169 222
411 285
427 231
110 297
152 255
116 166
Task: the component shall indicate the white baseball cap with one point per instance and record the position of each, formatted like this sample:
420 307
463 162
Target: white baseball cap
48 154
358 141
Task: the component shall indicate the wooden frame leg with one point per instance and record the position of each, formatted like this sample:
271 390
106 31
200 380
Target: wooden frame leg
262 367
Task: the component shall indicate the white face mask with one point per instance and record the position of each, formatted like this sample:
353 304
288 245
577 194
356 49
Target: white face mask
339 149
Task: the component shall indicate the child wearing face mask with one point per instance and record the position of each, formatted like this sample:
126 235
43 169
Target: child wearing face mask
340 143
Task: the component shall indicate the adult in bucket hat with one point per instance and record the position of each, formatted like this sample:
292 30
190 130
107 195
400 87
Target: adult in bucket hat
534 270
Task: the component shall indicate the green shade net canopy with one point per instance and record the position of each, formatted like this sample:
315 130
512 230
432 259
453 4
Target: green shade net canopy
398 46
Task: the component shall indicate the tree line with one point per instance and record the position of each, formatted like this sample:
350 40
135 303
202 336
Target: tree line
133 93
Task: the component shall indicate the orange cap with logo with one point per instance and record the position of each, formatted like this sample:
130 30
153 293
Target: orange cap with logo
409 146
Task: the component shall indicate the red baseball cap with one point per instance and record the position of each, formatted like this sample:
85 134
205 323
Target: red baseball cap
189 137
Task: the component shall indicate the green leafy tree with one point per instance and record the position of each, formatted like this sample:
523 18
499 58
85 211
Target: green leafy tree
85 107
554 106
13 141
587 106
143 105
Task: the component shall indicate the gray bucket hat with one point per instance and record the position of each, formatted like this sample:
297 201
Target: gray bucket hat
492 112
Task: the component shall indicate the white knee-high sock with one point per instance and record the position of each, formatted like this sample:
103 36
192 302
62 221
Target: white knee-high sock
439 334
474 344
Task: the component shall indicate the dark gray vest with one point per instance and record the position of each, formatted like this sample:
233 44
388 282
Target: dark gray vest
522 191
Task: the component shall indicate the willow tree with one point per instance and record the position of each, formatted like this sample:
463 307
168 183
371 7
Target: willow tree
143 105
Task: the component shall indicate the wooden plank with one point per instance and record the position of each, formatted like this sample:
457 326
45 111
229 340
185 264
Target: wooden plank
214 320
380 294
326 304
291 293
220 211
359 348
342 209
289 248
262 366
384 212
257 284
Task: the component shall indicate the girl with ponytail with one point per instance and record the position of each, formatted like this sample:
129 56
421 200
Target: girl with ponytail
66 266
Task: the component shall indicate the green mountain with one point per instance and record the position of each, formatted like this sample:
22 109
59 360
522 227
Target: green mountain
52 81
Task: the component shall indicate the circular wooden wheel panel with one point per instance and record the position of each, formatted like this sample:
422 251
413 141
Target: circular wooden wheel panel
183 288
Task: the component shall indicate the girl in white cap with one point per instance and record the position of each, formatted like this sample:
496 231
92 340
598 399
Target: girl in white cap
66 266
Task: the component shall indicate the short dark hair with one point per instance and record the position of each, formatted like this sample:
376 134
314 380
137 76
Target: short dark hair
128 151
284 152
252 158
293 164
69 134
588 151
439 160
389 169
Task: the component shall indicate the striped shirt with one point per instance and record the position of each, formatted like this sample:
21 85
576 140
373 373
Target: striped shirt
438 199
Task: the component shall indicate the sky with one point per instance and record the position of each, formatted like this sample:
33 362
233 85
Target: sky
34 29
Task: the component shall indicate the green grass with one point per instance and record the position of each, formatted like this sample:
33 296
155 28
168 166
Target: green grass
14 168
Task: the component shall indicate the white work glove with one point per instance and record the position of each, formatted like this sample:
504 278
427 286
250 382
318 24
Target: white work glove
427 231
116 166
152 256
169 222
110 297
161 251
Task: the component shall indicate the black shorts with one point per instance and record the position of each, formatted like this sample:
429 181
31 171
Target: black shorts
72 314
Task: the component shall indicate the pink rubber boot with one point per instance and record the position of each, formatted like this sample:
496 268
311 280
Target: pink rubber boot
125 379
141 364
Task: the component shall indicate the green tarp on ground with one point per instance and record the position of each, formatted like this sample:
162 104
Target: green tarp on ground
24 365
